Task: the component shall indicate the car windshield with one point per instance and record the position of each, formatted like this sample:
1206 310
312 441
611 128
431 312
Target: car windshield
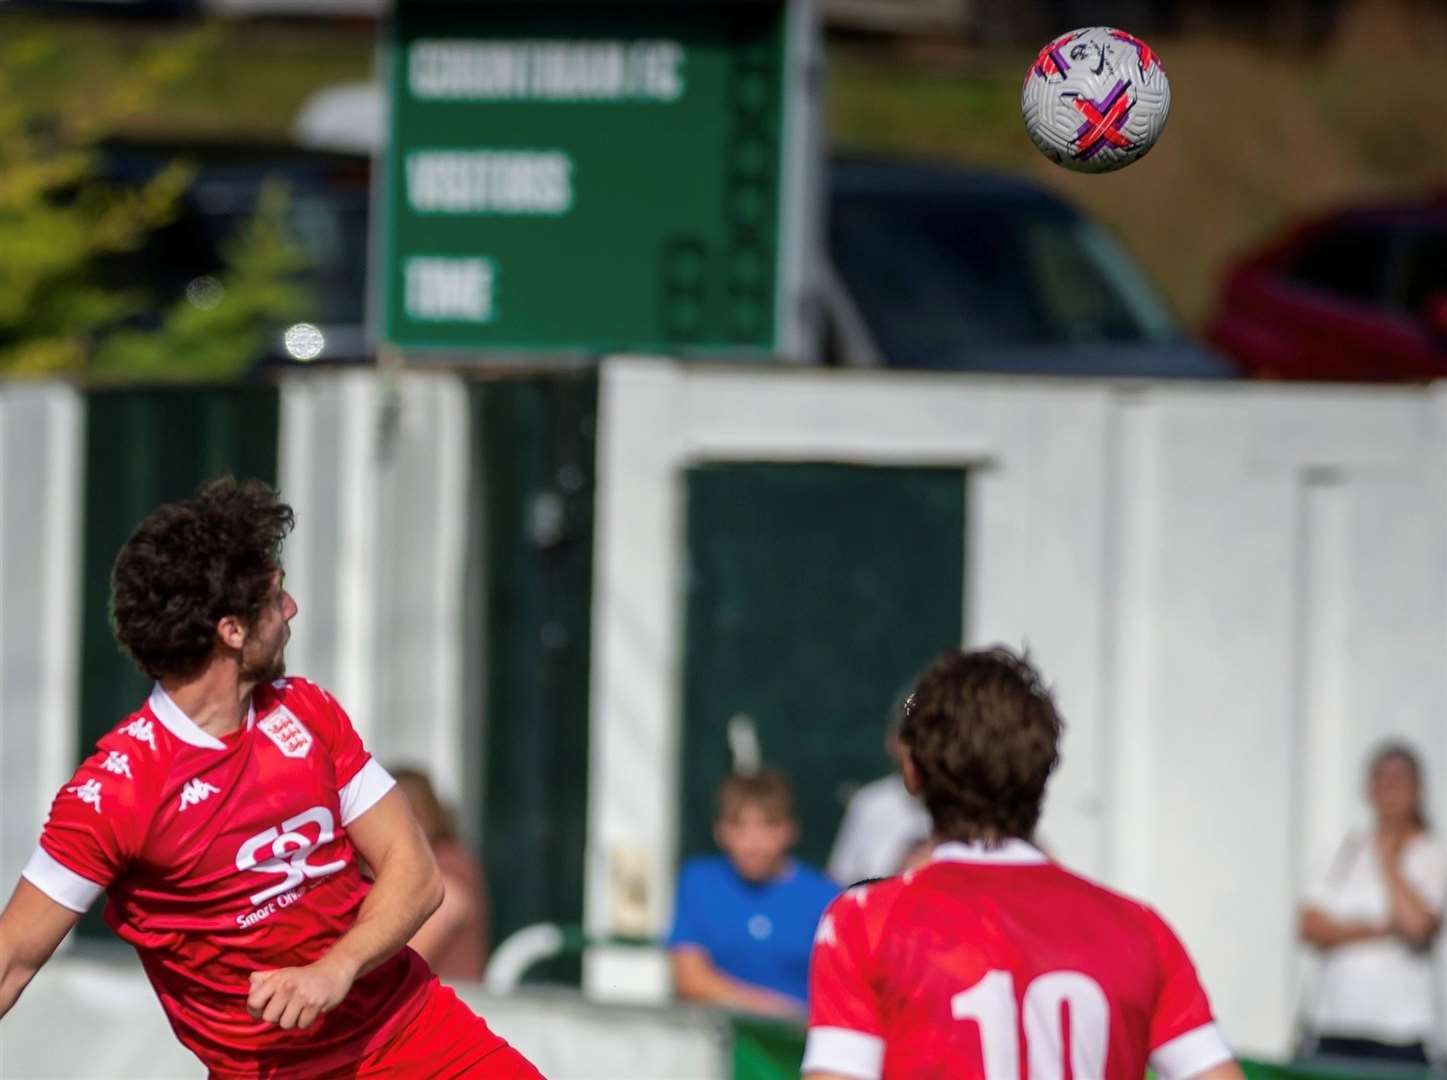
939 274
328 222
325 215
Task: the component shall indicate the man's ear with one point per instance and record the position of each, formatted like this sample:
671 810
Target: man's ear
231 632
909 771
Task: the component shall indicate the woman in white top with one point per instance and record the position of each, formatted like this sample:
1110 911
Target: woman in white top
1374 917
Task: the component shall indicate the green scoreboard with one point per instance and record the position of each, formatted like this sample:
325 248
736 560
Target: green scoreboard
588 177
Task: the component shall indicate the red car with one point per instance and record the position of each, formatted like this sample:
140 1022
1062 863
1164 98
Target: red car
1358 295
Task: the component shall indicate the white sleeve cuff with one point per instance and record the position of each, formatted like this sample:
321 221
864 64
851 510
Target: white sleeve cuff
1190 1054
60 882
363 790
845 1052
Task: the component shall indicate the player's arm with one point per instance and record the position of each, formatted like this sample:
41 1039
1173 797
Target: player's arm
31 928
408 888
456 911
846 1033
1184 1041
696 979
1316 927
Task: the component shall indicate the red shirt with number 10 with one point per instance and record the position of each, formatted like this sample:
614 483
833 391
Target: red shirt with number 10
996 964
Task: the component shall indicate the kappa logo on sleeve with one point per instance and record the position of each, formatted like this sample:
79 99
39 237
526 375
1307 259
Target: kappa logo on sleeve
88 793
142 730
118 763
287 732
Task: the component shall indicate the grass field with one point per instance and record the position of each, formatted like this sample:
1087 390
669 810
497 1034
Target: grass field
1257 136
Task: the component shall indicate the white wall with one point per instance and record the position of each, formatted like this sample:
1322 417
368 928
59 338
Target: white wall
41 461
1236 589
377 470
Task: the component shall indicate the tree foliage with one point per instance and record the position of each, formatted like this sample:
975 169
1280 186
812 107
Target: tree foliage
62 221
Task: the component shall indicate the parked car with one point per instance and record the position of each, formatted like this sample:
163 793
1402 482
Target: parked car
1359 294
943 267
326 211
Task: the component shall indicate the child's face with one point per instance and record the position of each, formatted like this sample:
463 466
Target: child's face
756 840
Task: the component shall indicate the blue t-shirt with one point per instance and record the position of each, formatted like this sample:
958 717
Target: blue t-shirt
758 932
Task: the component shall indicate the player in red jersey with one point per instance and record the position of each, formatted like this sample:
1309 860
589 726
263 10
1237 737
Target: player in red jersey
223 819
989 962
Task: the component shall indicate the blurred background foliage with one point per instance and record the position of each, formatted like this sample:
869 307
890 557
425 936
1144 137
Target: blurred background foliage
1267 124
65 308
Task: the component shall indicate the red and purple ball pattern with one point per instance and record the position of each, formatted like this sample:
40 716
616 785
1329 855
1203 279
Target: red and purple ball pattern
1095 99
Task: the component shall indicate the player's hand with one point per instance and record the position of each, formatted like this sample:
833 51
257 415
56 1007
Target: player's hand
294 997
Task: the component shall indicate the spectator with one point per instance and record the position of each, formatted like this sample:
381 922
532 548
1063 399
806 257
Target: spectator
454 941
883 825
1373 917
744 921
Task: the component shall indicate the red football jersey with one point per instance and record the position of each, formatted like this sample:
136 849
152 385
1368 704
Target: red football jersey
999 965
221 857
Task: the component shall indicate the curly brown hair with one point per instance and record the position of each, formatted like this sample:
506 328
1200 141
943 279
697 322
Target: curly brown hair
982 732
191 563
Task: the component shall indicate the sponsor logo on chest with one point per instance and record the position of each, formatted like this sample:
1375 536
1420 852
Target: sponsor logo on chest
287 732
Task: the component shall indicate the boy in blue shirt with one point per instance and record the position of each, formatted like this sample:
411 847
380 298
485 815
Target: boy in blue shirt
744 920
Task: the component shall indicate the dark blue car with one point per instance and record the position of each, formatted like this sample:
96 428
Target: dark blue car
947 268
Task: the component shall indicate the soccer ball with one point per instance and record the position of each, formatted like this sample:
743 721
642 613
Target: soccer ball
1095 99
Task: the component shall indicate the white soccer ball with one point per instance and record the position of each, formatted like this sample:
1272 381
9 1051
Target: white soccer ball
1095 99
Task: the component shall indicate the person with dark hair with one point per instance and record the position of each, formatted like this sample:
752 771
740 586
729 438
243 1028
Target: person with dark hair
1373 917
454 939
989 955
224 820
744 920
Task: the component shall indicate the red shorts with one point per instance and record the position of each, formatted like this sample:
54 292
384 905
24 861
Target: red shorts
445 1040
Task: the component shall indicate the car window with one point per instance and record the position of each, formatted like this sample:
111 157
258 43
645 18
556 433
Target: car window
328 222
325 212
937 275
1424 269
1090 289
1350 261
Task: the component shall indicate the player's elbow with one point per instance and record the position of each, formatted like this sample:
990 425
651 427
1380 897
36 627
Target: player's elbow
15 974
434 893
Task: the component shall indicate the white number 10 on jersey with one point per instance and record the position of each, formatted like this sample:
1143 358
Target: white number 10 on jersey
990 1003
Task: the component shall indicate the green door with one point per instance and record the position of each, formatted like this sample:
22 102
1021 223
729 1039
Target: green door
815 594
533 529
